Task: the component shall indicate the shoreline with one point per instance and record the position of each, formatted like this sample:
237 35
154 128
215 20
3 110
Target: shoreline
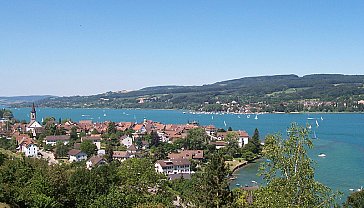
190 111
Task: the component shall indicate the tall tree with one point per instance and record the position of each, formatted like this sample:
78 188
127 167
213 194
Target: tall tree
290 174
213 184
111 128
256 141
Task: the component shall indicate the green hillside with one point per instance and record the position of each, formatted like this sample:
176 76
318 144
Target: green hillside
267 93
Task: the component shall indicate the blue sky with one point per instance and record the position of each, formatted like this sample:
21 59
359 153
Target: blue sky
87 47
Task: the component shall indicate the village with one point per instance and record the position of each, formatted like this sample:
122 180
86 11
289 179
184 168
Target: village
94 144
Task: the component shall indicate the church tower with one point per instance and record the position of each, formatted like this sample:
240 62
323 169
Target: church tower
33 114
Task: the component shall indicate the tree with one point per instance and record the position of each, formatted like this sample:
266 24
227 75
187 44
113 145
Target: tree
88 147
111 128
289 173
61 150
232 147
355 200
154 139
213 184
109 152
256 141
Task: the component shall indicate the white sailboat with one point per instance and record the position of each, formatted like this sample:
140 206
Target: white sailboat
225 123
212 117
248 116
256 117
317 124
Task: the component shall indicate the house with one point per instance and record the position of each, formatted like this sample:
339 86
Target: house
95 161
76 155
96 140
210 130
187 154
243 138
28 147
175 166
219 144
126 140
121 155
132 149
52 140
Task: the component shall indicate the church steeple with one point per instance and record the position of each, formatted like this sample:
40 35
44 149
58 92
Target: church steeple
33 114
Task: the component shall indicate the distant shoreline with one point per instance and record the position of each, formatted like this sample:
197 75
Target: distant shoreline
191 112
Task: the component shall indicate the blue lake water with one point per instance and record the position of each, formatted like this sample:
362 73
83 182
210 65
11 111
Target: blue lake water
340 136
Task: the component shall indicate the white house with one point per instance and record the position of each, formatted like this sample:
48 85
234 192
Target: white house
126 140
96 140
52 140
170 167
76 155
243 138
28 147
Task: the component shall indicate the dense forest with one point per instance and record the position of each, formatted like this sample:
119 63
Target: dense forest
279 93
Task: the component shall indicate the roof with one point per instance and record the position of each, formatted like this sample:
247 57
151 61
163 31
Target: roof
132 148
57 138
96 160
218 143
243 133
74 152
120 154
26 142
187 154
174 162
91 138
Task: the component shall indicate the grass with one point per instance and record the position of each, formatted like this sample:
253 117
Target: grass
235 163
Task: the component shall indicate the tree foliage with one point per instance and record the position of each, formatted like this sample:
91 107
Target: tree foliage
289 173
88 147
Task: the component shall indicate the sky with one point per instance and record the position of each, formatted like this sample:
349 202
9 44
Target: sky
86 47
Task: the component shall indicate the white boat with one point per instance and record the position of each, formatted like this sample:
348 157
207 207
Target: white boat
225 123
322 118
314 135
317 124
248 116
256 116
104 114
212 117
322 155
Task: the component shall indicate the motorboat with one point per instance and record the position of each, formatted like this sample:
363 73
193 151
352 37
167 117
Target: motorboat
322 155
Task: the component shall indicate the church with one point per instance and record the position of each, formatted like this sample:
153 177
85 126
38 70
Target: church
33 126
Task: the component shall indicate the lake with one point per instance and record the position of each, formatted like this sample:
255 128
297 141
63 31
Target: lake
340 136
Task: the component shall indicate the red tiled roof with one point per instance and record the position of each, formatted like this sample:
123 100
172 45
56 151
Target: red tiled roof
120 154
57 138
178 162
74 152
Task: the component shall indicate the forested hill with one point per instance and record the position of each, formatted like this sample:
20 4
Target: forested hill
270 90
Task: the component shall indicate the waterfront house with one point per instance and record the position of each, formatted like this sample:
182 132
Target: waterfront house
173 166
187 154
52 140
219 144
76 155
